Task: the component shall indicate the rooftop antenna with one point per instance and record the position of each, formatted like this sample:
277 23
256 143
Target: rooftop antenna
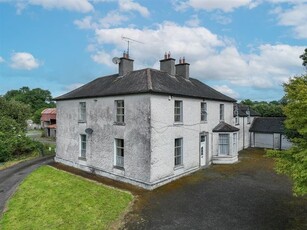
128 40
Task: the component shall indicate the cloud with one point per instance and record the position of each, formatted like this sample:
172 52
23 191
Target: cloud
1 59
193 21
295 17
221 19
86 23
83 6
210 5
23 60
130 5
226 90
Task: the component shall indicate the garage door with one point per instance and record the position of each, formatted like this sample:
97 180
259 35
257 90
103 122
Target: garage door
264 140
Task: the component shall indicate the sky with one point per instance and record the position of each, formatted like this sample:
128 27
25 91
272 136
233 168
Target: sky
246 49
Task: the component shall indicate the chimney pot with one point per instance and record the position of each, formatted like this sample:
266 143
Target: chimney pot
165 55
169 54
168 64
183 69
125 65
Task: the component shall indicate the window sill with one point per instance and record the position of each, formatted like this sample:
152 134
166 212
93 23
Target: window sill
203 122
119 123
119 167
178 167
82 158
178 123
81 121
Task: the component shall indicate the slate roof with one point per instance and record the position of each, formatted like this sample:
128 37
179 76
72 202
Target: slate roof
224 127
242 110
145 81
268 125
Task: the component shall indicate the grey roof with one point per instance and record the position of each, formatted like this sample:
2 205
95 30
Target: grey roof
145 81
268 125
242 110
224 127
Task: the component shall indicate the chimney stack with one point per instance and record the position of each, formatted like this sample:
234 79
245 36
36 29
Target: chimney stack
168 64
183 68
125 65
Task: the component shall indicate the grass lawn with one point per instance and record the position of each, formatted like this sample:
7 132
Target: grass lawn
53 199
4 165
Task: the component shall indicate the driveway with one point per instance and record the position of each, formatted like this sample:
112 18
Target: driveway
246 195
11 177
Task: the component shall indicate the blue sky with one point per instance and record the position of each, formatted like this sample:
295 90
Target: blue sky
243 48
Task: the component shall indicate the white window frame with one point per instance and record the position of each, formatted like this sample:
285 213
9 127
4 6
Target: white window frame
203 112
82 111
178 111
119 111
224 145
119 152
234 143
83 146
237 119
222 110
178 152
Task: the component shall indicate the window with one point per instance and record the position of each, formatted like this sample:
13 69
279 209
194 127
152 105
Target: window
119 153
236 115
178 151
203 111
223 144
234 143
178 111
82 112
83 146
248 116
120 111
221 112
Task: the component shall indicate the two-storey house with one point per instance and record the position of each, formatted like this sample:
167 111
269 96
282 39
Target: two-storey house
146 127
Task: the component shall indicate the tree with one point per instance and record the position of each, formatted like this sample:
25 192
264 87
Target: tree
304 58
293 162
266 109
36 98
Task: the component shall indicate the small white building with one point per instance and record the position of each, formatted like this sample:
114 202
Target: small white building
146 127
269 132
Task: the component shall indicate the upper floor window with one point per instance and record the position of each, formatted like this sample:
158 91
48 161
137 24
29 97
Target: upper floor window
120 111
83 146
178 151
203 111
82 111
248 113
119 152
178 111
221 112
236 115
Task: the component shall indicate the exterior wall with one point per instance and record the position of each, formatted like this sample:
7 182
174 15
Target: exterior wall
100 144
164 131
244 139
270 140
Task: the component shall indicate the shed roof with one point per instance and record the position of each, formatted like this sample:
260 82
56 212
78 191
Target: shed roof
268 125
49 111
224 127
145 81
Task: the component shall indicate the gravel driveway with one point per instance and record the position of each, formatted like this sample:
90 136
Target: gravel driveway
246 195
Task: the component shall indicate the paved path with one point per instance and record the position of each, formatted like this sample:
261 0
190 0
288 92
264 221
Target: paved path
248 195
11 177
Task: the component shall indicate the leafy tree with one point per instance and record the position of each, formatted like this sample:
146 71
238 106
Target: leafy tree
304 58
293 162
266 109
36 98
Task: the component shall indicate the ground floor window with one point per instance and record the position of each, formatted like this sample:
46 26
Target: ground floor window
83 145
119 152
223 144
178 151
234 143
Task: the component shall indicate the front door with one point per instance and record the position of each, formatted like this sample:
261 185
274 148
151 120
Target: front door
203 150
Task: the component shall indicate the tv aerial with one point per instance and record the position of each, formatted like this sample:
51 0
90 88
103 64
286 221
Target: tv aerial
116 60
128 40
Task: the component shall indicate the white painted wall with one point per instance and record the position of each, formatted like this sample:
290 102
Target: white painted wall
244 134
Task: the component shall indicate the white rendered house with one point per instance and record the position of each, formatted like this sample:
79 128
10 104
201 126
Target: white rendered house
146 127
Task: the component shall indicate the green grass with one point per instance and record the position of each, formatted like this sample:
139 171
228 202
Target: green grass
53 199
18 159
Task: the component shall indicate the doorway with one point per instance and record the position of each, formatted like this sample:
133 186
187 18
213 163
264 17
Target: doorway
203 151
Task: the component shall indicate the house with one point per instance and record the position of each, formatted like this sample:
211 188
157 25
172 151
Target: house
48 122
146 127
268 132
243 118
